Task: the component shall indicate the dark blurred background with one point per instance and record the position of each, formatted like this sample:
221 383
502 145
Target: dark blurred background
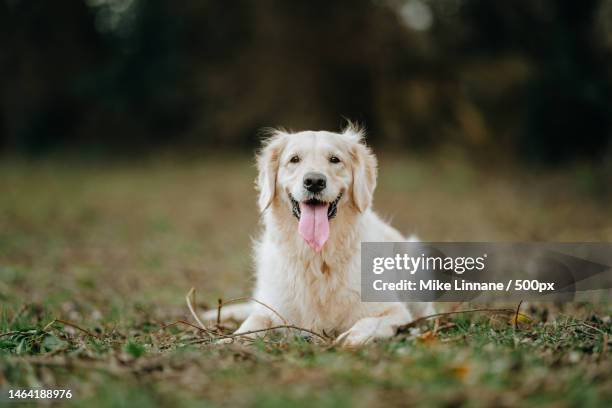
530 80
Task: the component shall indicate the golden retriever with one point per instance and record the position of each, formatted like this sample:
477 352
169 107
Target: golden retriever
315 195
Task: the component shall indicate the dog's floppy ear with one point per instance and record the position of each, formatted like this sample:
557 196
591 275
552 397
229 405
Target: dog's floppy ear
267 166
364 168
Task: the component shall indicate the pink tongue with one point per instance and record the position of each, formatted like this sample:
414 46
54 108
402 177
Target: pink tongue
314 225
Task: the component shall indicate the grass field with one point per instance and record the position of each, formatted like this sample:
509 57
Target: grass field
111 249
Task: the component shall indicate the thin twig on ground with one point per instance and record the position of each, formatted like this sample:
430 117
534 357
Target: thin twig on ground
186 323
436 326
516 315
592 327
415 322
283 326
190 298
73 325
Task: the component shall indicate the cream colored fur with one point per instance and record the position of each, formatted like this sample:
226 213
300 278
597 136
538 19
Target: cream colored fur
319 290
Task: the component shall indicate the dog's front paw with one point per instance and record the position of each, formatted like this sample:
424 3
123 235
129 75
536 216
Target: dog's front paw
353 338
225 340
366 330
236 338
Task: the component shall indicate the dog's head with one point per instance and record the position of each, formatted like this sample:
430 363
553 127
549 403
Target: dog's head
315 176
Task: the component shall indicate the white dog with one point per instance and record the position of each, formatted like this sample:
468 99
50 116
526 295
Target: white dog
315 195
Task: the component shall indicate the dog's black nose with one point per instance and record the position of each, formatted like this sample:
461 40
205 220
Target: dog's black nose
314 182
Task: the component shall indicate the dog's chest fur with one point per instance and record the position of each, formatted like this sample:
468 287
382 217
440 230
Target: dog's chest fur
323 293
315 290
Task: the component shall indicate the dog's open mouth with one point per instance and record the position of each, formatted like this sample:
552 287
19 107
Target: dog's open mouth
313 216
332 208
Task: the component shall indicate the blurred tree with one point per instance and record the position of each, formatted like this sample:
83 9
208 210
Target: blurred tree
45 46
127 75
570 99
568 105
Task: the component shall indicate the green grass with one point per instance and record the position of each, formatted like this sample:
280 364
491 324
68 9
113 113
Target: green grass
114 248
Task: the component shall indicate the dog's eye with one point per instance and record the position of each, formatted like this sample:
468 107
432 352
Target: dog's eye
295 159
334 159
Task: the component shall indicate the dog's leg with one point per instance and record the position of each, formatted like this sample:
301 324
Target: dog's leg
258 320
371 328
238 312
